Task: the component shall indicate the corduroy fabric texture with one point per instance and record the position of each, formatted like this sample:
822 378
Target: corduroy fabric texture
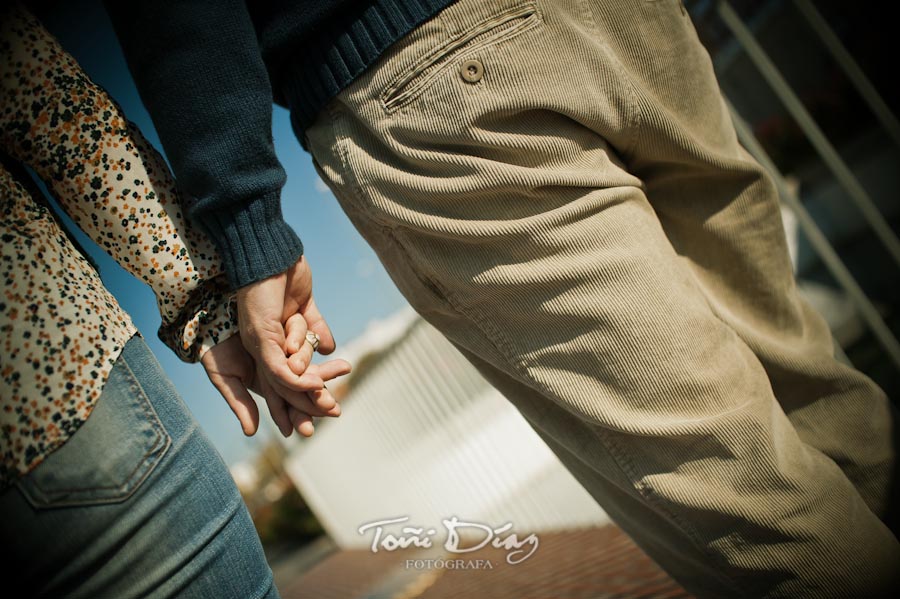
581 222
341 51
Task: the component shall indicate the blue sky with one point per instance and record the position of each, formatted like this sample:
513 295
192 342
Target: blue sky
349 283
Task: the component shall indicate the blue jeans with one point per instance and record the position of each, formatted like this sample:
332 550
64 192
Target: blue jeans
136 503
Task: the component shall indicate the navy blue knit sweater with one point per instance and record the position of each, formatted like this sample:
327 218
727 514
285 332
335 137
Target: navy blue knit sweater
208 72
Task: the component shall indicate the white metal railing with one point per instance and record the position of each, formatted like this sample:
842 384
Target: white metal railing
819 242
838 167
813 132
855 74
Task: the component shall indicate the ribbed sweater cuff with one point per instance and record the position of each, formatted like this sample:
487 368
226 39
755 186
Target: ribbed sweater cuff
253 240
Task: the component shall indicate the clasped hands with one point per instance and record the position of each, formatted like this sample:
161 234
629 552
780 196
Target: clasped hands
271 357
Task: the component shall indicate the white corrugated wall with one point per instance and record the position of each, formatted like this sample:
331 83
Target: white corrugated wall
424 435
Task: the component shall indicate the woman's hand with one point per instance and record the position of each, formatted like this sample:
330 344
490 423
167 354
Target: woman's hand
233 372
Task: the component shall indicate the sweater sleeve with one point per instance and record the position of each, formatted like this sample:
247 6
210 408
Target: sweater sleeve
199 71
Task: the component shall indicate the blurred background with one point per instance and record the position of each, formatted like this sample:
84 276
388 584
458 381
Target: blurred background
812 90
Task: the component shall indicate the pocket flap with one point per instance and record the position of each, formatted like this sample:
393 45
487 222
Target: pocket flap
109 456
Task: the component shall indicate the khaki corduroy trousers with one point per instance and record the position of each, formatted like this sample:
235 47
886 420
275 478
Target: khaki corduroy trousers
557 187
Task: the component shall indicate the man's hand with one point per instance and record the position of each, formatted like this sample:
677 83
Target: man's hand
263 310
233 371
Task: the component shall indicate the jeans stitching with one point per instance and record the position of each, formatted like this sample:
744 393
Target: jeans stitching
160 445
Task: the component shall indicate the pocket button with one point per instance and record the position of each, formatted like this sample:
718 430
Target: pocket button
472 71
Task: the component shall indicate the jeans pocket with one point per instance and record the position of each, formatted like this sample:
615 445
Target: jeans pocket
495 28
109 456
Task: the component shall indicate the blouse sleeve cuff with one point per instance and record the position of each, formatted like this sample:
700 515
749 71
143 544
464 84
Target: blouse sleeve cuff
209 318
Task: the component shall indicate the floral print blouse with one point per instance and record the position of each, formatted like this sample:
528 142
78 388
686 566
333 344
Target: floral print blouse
61 329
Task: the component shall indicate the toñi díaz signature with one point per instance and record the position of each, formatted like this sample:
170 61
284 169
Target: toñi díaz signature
518 550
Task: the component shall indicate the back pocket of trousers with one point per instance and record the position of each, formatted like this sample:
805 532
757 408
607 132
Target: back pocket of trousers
415 80
109 456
